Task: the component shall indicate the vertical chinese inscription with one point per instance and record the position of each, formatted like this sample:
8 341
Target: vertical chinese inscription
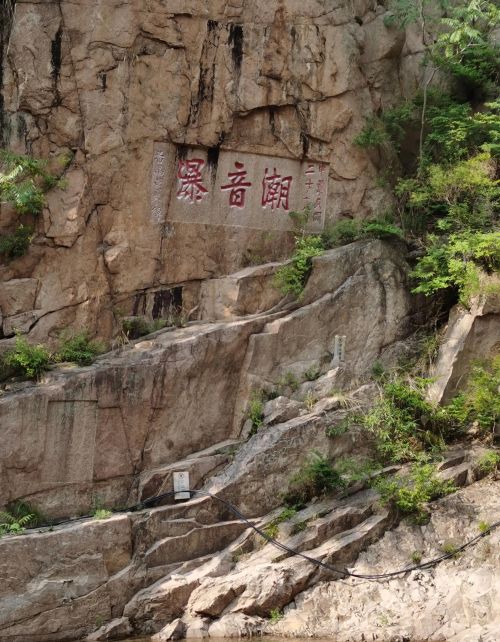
158 183
315 189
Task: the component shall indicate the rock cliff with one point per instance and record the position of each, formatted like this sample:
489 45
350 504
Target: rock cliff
127 90
192 133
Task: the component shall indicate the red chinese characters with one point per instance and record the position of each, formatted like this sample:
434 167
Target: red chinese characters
237 186
276 190
190 180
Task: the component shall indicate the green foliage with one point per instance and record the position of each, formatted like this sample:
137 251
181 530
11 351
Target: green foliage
291 278
388 129
349 230
402 421
136 327
316 477
16 244
14 524
458 261
450 548
337 430
79 348
255 410
275 615
272 529
483 527
301 218
373 134
101 513
355 470
290 381
27 360
410 493
378 371
489 462
312 373
467 26
481 398
23 181
416 557
299 527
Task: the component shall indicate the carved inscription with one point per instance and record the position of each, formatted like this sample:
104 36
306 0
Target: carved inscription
244 190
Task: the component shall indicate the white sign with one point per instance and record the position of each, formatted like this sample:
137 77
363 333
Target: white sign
338 350
181 485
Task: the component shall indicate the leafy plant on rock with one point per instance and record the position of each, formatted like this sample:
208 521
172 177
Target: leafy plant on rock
409 493
79 348
316 477
23 183
28 360
15 522
291 278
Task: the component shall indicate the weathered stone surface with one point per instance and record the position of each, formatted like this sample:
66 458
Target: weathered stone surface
86 433
345 283
246 292
279 410
128 418
286 83
58 584
17 295
457 600
116 629
471 334
173 631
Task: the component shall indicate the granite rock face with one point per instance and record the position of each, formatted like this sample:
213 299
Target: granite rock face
127 90
112 431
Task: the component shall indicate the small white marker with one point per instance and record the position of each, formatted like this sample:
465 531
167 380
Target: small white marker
181 485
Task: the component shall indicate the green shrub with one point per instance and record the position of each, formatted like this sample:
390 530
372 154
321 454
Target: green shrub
355 470
312 373
288 381
489 462
481 397
378 370
275 615
255 410
402 421
410 493
483 527
16 244
458 261
136 327
316 477
23 181
347 231
272 529
101 513
416 557
291 278
28 360
337 430
79 348
13 525
450 548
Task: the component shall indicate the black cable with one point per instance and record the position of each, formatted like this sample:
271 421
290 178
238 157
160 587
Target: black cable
283 547
312 560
